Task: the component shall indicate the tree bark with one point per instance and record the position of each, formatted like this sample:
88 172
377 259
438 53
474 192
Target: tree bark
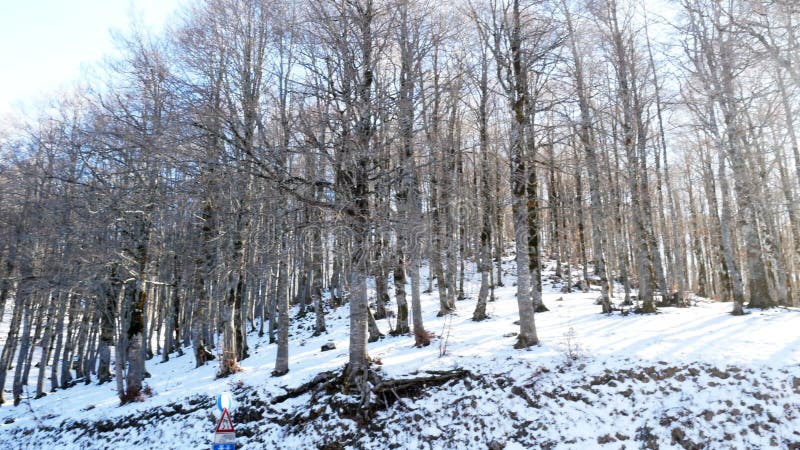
599 240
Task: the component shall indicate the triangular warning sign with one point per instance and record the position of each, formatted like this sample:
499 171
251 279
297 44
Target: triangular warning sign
225 424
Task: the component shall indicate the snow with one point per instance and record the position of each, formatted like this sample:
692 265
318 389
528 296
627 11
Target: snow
686 376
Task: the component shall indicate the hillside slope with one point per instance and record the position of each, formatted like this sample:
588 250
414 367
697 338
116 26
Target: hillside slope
684 378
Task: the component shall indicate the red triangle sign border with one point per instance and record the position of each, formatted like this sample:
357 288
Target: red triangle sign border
225 424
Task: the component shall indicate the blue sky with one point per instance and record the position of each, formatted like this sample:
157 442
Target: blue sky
45 43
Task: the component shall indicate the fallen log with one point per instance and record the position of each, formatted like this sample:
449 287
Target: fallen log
408 387
322 380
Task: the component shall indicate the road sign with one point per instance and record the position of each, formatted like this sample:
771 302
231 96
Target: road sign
224 435
224 401
225 424
224 438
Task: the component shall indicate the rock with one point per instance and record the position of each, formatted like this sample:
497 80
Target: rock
678 436
606 439
495 445
328 346
714 372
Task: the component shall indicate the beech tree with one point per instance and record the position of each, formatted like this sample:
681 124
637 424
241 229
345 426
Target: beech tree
263 160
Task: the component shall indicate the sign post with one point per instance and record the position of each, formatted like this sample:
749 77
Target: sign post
224 435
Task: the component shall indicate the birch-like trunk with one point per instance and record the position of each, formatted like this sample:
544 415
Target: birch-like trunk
485 242
5 281
399 275
697 244
640 218
533 221
63 300
758 285
201 311
282 304
47 336
411 232
24 302
10 345
357 361
134 300
599 239
316 284
727 242
517 91
527 334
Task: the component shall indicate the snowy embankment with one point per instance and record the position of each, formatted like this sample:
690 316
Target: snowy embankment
684 378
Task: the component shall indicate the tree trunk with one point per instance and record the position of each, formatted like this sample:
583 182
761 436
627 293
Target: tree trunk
519 182
485 205
135 298
47 337
282 302
412 236
63 300
359 307
599 240
10 345
727 243
401 326
24 302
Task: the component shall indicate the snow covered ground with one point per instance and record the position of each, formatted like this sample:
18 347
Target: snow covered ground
684 378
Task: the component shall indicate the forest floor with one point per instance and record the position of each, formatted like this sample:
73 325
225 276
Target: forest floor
694 377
